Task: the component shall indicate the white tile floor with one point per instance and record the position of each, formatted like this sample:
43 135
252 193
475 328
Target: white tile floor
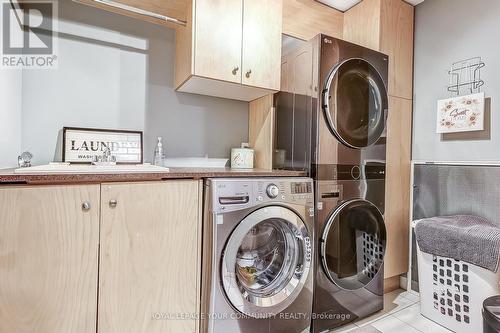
401 314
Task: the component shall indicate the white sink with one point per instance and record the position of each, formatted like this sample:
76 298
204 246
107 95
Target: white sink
196 162
54 168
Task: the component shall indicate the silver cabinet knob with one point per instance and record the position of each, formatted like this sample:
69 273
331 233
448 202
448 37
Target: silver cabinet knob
113 203
235 70
248 73
86 206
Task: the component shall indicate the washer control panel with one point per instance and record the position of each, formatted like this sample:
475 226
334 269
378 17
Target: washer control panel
294 190
233 194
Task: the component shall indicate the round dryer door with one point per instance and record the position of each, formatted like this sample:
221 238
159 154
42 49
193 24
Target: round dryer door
354 102
352 245
266 261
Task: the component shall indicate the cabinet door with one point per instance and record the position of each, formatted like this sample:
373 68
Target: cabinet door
218 25
149 261
398 182
396 40
48 259
262 26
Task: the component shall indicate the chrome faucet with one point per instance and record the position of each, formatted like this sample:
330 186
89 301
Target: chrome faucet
24 160
106 157
106 154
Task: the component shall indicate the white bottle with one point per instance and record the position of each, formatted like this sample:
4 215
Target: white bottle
159 158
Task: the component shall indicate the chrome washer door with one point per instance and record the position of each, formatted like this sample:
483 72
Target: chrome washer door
354 102
266 261
352 245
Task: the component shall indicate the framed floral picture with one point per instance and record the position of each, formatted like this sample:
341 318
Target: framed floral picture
461 114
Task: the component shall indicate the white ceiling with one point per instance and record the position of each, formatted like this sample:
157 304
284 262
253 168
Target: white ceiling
414 2
341 5
344 5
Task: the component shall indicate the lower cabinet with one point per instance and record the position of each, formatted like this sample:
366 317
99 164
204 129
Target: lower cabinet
121 257
49 241
149 259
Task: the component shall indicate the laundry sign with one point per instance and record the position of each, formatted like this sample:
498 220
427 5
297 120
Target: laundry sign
461 114
82 145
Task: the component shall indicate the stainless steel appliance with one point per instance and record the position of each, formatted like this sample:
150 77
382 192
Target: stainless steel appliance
258 260
350 245
333 107
331 121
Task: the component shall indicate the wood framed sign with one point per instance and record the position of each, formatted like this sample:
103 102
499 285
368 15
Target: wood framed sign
81 145
461 114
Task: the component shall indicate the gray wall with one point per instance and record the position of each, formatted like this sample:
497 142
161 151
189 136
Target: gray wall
10 114
443 190
117 72
10 117
447 31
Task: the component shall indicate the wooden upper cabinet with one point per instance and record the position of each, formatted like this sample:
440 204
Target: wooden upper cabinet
298 75
396 40
386 26
362 24
304 19
262 26
218 39
176 9
150 257
230 49
49 240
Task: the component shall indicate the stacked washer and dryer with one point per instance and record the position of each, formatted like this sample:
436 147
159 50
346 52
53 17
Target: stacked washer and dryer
293 255
331 121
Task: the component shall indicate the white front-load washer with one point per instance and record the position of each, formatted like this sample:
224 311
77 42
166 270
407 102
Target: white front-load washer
257 262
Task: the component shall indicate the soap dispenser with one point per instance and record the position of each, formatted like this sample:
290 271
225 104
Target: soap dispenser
159 157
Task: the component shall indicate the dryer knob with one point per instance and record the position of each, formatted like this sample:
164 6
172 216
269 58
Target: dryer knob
272 191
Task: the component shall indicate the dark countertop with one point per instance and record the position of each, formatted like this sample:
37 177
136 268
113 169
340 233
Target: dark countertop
8 177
